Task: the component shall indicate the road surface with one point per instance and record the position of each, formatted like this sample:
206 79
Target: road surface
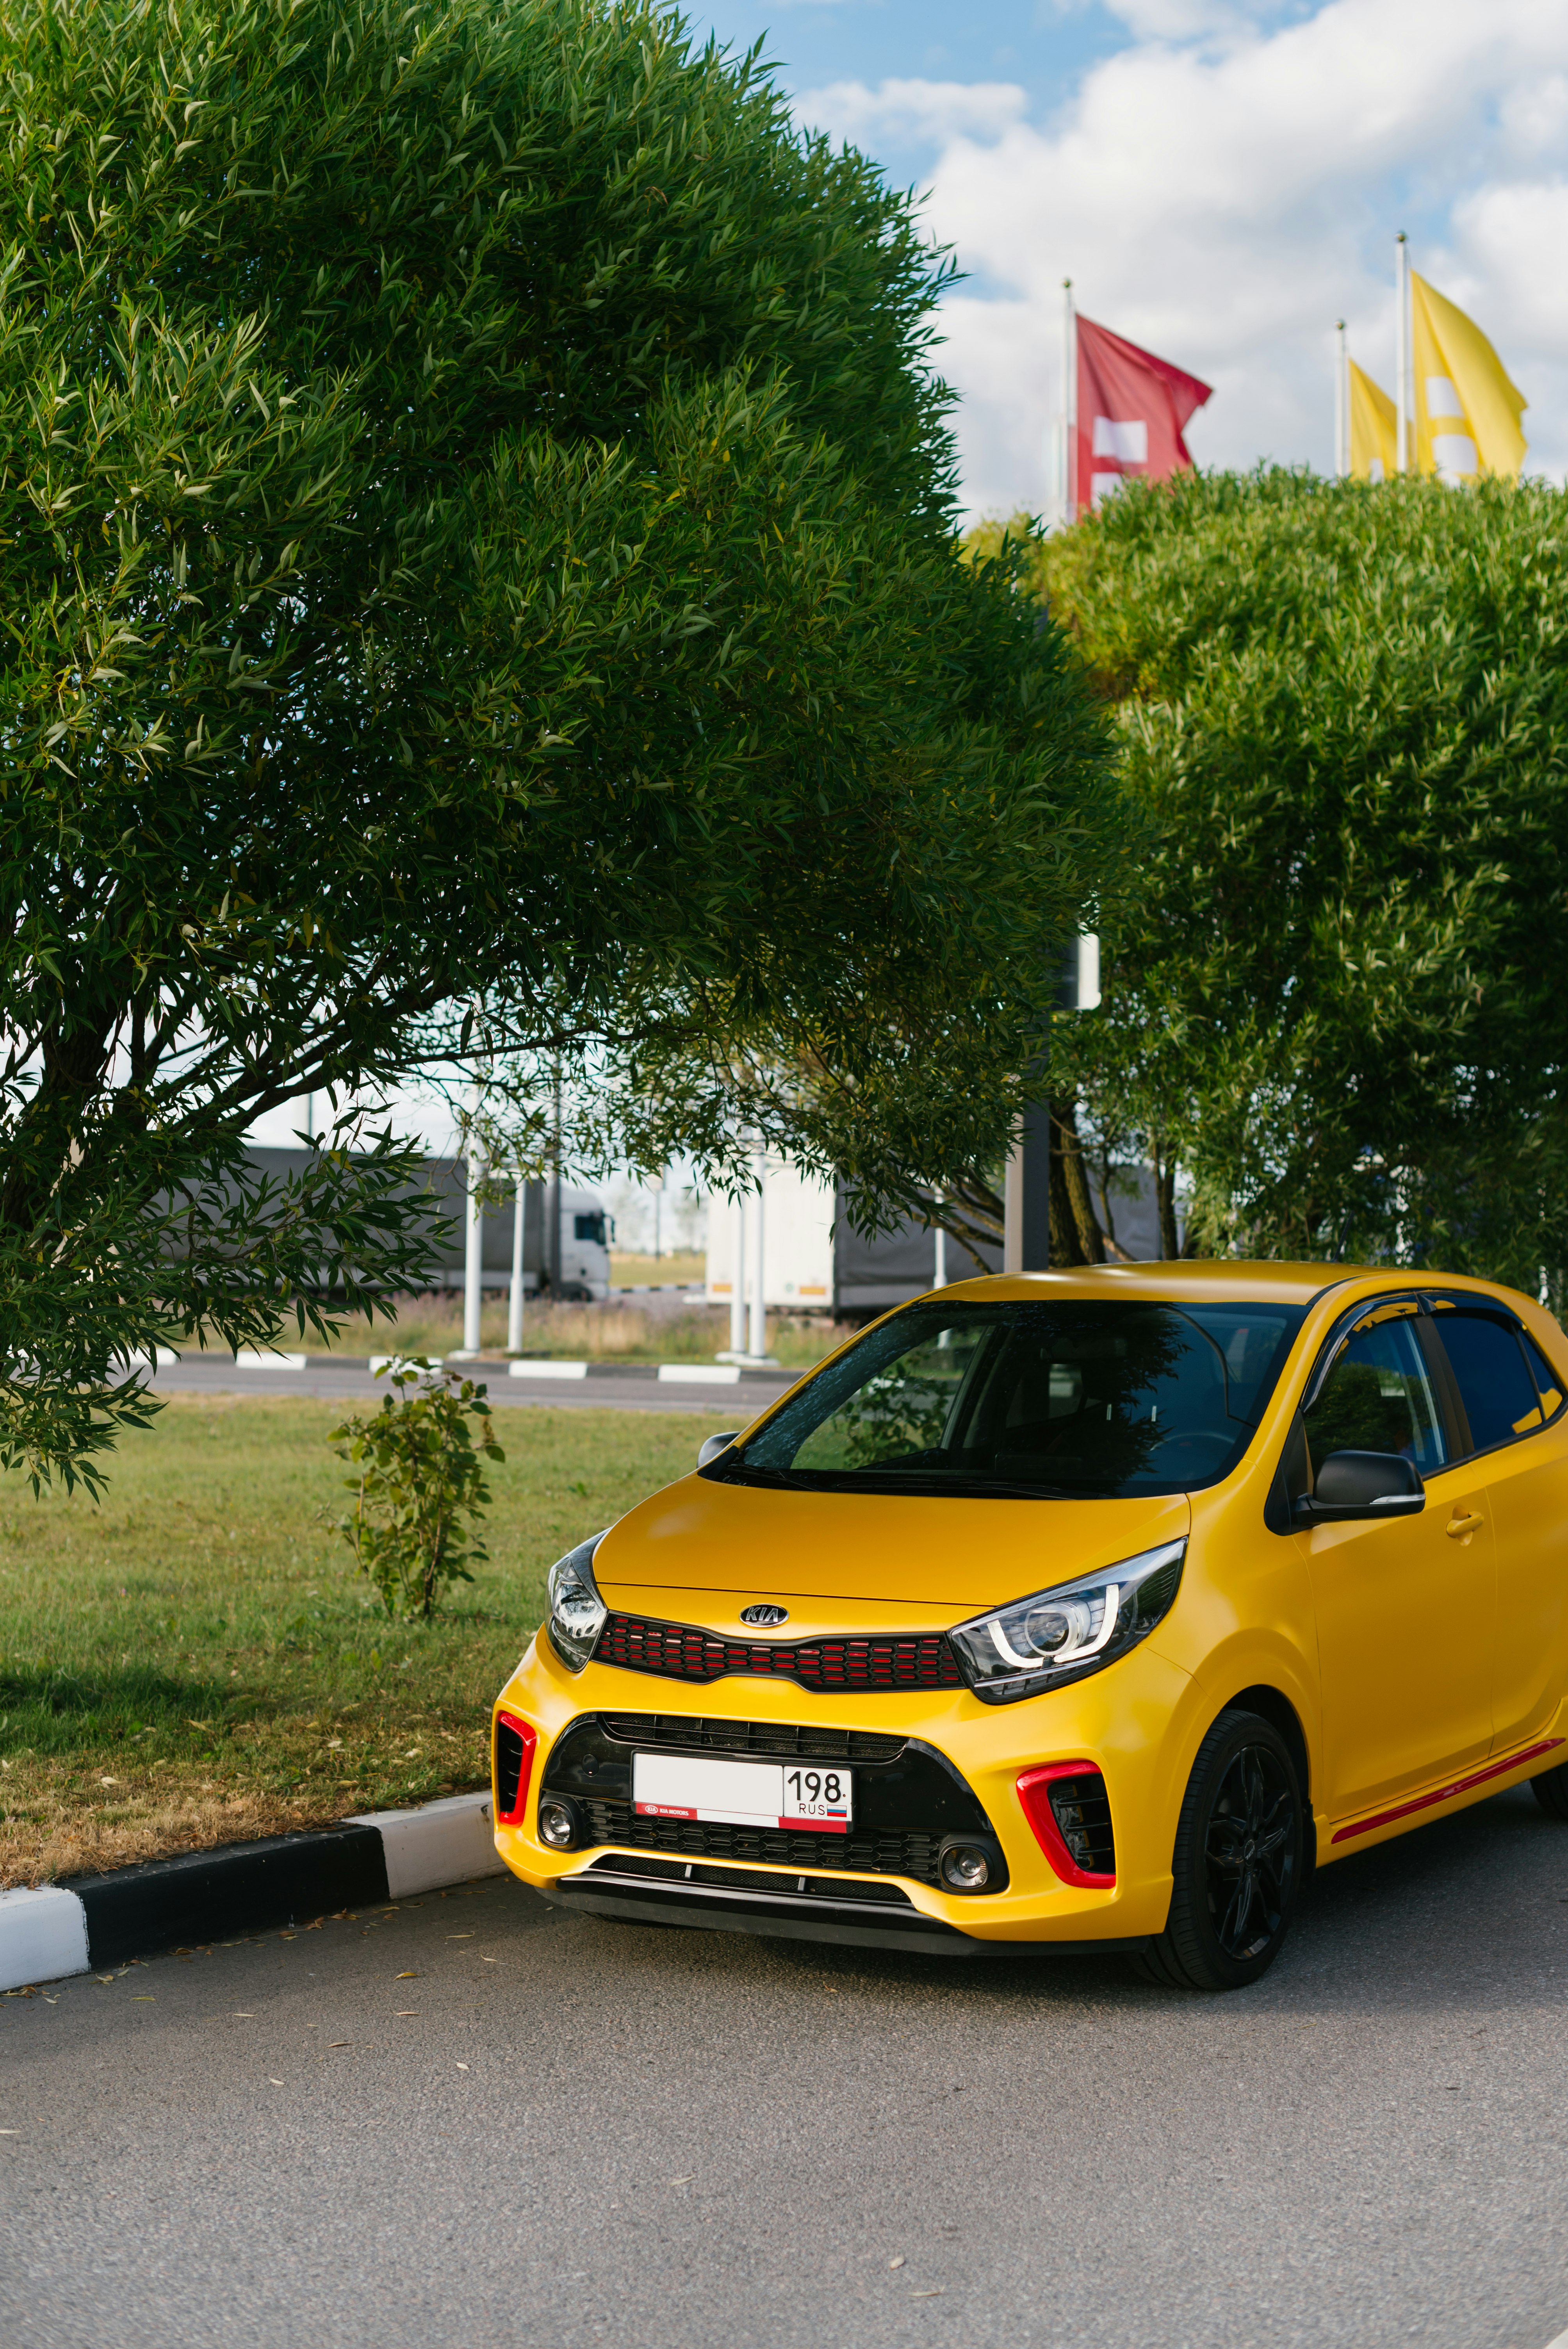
473 2121
608 1386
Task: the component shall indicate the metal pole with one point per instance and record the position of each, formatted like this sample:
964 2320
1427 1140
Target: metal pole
514 1300
1069 407
1402 350
738 1281
939 1269
759 1347
1341 407
1012 1210
473 1258
550 1254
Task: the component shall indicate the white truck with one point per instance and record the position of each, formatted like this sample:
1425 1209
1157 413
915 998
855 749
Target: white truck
567 1254
812 1260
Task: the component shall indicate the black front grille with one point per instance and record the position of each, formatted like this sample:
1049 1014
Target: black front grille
755 1880
1082 1808
883 1852
794 1739
508 1767
679 1651
908 1798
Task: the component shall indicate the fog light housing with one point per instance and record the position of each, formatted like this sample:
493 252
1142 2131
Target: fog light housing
560 1822
966 1865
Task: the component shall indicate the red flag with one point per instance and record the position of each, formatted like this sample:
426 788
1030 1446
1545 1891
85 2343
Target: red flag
1131 408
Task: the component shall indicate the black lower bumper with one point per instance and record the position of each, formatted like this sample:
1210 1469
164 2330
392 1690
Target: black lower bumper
605 1891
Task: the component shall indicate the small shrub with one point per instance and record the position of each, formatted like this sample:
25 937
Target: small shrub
419 1485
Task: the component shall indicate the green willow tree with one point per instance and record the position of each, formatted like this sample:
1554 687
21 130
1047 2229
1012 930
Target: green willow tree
1331 990
482 595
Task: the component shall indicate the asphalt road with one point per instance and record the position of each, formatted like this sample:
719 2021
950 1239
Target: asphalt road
473 2121
604 1389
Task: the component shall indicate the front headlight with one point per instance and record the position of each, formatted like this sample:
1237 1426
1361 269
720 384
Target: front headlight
1062 1635
576 1610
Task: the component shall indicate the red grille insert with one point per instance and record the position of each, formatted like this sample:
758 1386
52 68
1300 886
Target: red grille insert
678 1652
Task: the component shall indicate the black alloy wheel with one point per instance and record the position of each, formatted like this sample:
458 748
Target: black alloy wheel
1551 1791
1238 1863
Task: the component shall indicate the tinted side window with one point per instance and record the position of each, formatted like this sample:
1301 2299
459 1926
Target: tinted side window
1379 1397
1497 1390
1545 1376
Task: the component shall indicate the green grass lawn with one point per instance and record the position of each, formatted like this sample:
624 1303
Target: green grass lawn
194 1660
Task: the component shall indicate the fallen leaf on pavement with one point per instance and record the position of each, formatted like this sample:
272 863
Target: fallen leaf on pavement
895 2263
462 2068
936 2294
275 2084
406 1977
340 2042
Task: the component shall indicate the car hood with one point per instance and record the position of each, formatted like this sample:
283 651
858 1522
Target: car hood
710 1549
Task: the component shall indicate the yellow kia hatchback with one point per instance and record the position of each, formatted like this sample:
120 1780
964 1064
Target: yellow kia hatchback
1077 1611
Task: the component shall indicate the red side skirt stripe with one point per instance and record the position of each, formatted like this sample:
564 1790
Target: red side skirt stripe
1447 1794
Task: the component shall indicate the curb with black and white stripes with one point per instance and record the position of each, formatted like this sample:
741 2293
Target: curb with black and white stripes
93 1922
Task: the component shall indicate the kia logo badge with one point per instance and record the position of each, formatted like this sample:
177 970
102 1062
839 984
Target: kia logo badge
765 1615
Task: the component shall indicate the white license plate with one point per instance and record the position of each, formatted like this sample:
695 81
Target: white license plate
743 1794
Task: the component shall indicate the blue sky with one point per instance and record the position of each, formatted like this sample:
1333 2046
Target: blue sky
1221 178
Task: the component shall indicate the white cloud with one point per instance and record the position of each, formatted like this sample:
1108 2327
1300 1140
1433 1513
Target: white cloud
940 110
1224 200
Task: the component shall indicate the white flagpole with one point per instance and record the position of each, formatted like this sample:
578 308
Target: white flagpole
1402 349
1068 506
1341 405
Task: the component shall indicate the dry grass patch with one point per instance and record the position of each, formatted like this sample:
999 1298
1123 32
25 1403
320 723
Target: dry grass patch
616 1331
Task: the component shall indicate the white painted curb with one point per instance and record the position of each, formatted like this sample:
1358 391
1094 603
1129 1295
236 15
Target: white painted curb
248 1359
699 1374
44 1932
547 1370
440 1843
42 1935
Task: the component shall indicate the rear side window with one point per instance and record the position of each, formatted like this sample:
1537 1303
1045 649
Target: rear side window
1545 1376
1379 1397
1495 1383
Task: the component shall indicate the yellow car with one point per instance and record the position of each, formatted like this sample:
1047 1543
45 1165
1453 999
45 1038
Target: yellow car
1069 1612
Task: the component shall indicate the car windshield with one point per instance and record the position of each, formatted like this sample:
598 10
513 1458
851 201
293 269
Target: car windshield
1080 1401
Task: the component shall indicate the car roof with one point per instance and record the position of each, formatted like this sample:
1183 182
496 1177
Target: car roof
1214 1281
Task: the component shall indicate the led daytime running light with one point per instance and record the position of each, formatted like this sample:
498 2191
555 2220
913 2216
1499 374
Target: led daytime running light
577 1613
1041 1642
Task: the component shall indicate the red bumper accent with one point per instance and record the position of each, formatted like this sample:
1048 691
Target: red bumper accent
1034 1795
528 1738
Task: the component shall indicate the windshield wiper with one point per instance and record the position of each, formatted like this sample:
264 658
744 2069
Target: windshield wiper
743 1471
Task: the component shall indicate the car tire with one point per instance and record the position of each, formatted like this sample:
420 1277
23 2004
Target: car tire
1551 1791
1238 1863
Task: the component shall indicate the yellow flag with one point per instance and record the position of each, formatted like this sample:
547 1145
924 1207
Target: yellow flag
1466 411
1373 430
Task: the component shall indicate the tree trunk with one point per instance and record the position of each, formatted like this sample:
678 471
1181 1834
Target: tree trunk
1076 1234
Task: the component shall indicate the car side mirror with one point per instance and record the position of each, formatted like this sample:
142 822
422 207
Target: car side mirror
1368 1485
712 1445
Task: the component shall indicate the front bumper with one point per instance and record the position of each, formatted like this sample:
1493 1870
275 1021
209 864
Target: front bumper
1136 1724
620 1887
